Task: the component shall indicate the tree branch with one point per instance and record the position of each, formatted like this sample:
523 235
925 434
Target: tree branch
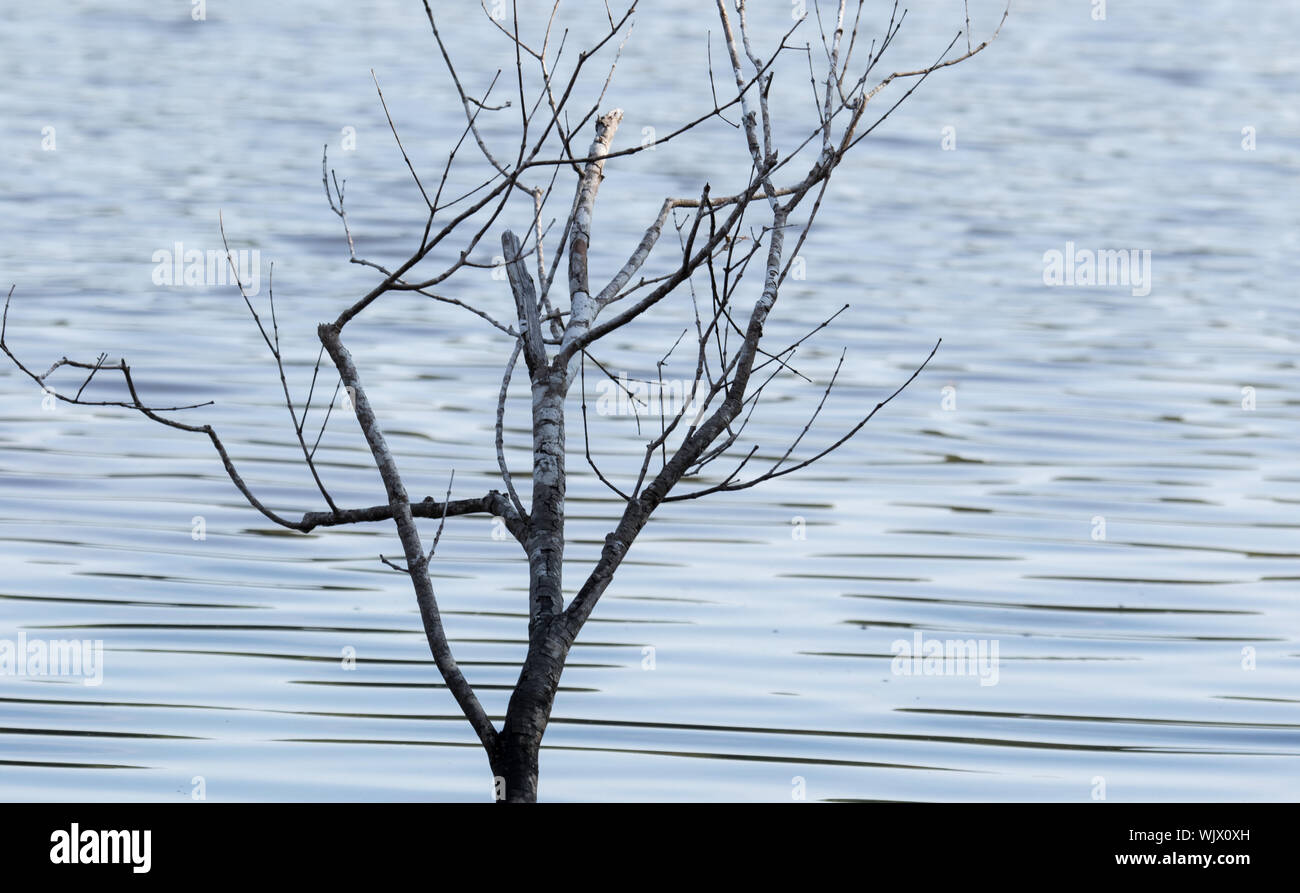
416 560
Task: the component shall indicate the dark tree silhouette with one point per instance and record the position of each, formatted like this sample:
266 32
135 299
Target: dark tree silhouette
718 240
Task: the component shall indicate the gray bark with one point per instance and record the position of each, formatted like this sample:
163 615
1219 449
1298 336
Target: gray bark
718 227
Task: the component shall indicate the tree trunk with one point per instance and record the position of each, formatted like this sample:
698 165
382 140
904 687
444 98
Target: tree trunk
515 771
515 763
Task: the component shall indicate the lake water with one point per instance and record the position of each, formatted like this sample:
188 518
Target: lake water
1076 478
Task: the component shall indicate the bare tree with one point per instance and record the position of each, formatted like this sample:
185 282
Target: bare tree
717 241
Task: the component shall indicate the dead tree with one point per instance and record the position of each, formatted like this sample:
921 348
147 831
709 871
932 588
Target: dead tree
717 242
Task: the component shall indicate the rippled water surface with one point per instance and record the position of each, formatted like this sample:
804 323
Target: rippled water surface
1159 661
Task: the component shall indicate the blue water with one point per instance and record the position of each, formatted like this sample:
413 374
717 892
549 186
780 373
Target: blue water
1158 662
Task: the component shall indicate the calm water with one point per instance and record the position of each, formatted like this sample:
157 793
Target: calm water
1162 659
